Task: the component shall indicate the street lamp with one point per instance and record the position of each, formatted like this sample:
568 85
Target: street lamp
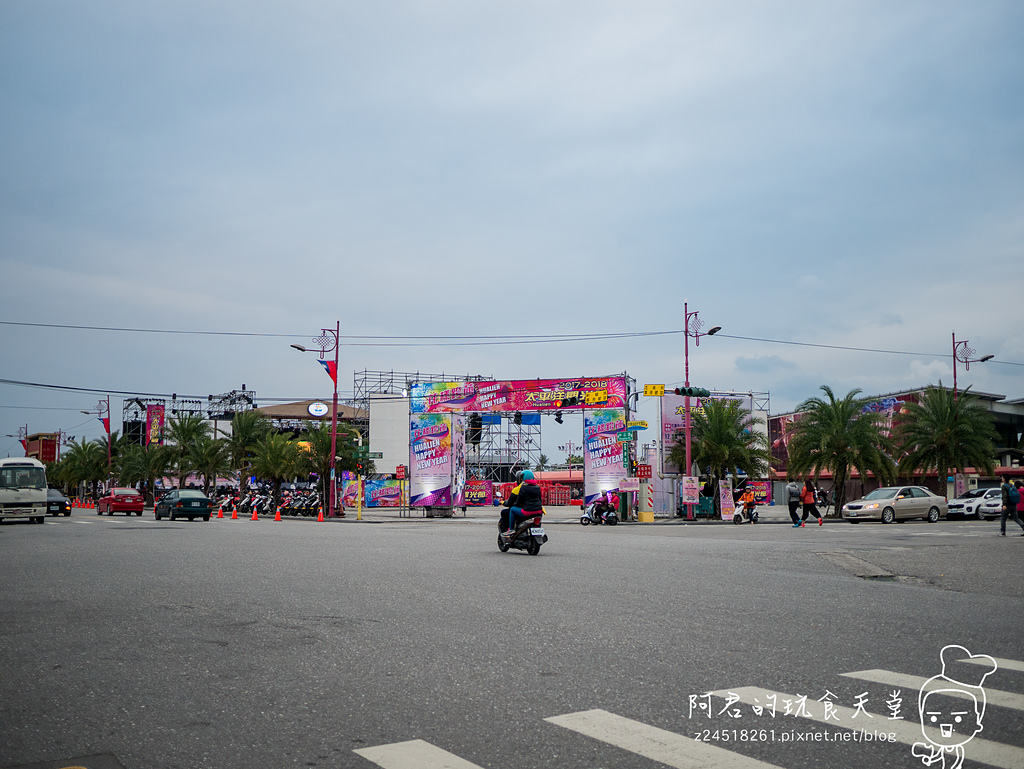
327 341
102 412
691 328
962 352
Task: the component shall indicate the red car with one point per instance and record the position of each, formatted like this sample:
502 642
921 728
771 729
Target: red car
125 501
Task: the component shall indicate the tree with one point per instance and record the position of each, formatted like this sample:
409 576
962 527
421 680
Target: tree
941 431
248 428
210 457
277 459
542 463
144 464
723 438
182 434
84 462
840 436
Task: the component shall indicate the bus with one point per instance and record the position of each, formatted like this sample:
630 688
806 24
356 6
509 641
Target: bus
23 488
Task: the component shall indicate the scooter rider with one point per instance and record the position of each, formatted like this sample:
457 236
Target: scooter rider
524 502
507 504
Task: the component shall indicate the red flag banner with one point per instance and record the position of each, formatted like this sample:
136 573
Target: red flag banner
331 368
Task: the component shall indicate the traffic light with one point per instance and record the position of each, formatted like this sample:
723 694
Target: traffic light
359 467
700 392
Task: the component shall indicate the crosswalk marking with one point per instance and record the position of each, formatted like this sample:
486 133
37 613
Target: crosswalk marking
908 732
669 748
414 753
1003 664
992 696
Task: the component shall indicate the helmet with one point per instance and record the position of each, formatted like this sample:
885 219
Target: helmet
527 475
519 475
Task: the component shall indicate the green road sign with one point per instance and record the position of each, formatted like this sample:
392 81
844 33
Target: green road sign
374 455
624 436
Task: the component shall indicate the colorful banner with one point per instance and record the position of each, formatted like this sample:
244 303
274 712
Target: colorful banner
762 491
155 424
518 395
430 460
382 493
725 497
602 453
458 425
348 489
689 490
479 493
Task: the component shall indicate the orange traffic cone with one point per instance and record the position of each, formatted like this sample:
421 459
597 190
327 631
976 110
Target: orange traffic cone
255 515
234 514
277 515
320 516
220 511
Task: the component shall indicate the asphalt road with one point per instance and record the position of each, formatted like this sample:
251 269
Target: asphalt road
126 642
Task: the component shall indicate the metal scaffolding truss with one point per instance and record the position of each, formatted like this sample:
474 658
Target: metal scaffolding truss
503 445
215 408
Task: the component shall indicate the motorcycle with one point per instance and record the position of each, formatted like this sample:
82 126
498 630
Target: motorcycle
591 516
528 535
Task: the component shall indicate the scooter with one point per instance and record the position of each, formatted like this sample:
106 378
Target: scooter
528 535
591 516
745 513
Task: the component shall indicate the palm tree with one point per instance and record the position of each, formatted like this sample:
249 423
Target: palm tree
183 433
941 431
723 437
144 464
277 459
840 436
248 428
210 457
542 462
84 462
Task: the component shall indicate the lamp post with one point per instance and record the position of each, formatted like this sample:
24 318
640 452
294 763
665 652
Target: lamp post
962 352
327 341
102 413
692 328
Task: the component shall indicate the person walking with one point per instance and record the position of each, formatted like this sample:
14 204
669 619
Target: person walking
807 497
793 500
1011 499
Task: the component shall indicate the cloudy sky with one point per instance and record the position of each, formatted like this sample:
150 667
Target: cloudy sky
813 177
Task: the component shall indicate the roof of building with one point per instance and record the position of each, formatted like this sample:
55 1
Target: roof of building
300 410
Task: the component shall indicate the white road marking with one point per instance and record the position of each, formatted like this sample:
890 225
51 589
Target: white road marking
907 732
992 696
414 754
1003 664
669 748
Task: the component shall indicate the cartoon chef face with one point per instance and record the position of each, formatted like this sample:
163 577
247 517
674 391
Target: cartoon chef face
954 712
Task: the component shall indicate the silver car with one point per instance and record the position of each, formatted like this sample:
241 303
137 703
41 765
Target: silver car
896 503
978 503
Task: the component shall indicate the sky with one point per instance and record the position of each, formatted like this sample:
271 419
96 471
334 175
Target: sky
839 186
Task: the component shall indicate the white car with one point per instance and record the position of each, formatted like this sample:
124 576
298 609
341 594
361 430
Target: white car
978 503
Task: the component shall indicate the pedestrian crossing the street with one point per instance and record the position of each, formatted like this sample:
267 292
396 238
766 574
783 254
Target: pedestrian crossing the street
687 750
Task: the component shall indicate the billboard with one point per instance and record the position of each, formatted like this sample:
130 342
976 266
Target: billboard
602 453
673 420
518 395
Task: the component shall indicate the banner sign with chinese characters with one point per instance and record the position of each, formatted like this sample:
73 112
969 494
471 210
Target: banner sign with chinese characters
518 395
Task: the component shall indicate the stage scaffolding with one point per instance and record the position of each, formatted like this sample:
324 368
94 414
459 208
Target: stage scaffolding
497 445
216 408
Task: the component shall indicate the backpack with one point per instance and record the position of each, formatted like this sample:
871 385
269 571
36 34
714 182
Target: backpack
1014 495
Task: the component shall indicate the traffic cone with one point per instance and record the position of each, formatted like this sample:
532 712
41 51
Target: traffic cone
255 515
220 511
234 514
277 515
320 516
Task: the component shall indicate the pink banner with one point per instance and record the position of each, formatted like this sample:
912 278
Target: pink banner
519 395
154 424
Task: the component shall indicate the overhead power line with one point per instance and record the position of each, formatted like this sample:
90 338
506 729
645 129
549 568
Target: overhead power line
462 341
